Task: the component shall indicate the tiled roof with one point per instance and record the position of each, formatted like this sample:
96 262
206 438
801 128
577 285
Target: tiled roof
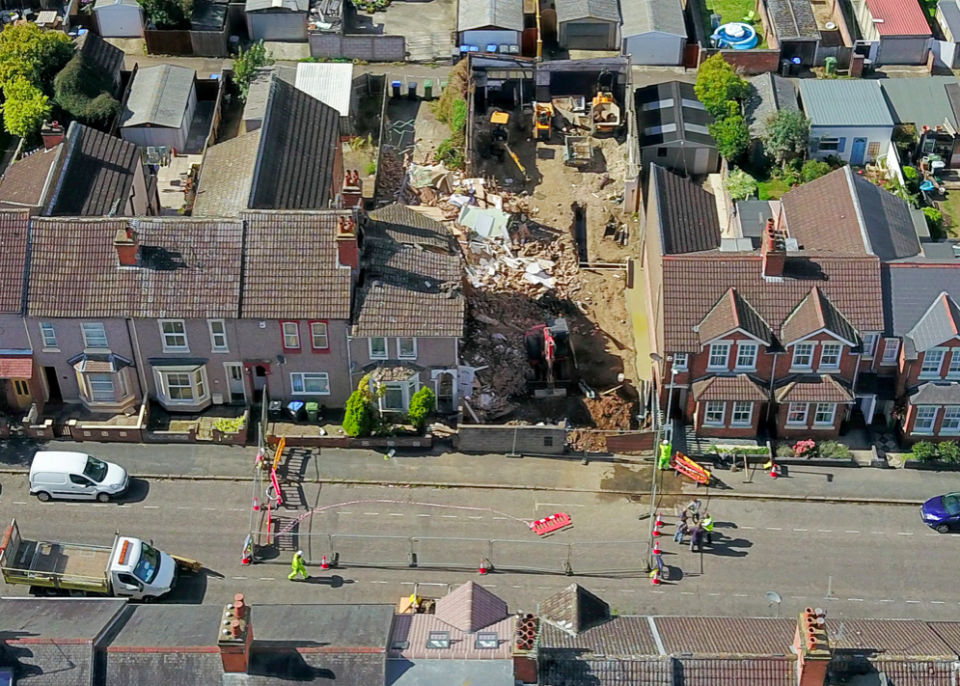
811 388
741 672
188 268
291 267
471 607
16 367
936 394
694 283
648 672
722 636
574 609
226 177
14 233
98 171
687 213
814 313
829 196
621 637
898 18
298 149
887 219
888 638
414 631
918 672
739 387
25 182
733 312
400 224
939 324
948 632
910 289
50 663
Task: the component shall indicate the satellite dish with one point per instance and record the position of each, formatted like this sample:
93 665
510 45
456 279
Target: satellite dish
774 599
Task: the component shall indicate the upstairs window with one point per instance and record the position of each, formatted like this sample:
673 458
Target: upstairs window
830 356
802 356
719 356
291 336
747 356
94 335
174 333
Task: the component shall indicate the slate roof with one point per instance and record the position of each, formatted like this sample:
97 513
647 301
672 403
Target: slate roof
99 53
258 94
793 19
935 394
298 147
733 312
921 101
598 672
889 225
950 9
938 325
645 16
471 607
413 631
501 14
827 102
890 638
49 662
290 268
289 5
742 672
411 281
449 672
811 388
909 289
572 10
694 283
158 97
829 196
739 387
769 93
619 638
687 213
189 268
898 18
814 313
668 113
227 176
28 181
574 609
98 172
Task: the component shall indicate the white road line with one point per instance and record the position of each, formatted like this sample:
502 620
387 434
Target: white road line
183 507
740 595
856 600
878 533
654 590
396 514
798 597
210 509
774 528
99 504
851 532
408 583
559 505
884 600
713 594
239 578
904 533
151 507
799 529
19 502
494 517
824 531
77 504
622 590
748 527
423 515
450 516
345 512
232 509
372 514
932 534
687 593
937 602
123 506
268 578
516 587
379 582
914 602
474 517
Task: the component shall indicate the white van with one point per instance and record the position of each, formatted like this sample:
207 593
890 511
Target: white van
75 476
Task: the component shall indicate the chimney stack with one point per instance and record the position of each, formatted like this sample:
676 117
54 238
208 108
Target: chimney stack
352 188
236 635
773 251
128 247
348 248
53 134
813 648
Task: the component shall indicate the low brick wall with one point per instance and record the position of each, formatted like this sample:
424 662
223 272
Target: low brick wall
368 48
425 442
520 440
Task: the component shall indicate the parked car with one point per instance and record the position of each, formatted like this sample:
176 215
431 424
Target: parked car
75 476
942 513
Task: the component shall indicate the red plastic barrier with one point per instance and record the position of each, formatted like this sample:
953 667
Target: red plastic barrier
548 525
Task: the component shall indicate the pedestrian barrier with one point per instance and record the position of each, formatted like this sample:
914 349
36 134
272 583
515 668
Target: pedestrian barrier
551 524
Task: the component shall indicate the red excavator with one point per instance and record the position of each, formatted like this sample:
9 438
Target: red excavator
550 354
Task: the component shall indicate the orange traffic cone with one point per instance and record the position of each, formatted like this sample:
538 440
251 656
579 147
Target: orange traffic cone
323 563
245 558
484 566
256 504
658 522
655 577
656 547
774 471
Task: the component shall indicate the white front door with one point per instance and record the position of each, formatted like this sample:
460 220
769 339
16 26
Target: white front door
238 389
868 405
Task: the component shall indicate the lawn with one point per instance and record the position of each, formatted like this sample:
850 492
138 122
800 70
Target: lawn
951 208
771 189
730 10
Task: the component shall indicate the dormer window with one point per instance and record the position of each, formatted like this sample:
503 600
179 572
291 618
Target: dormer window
438 640
487 640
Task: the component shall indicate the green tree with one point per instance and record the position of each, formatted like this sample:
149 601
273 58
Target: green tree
32 54
358 415
814 169
786 135
246 65
422 405
740 185
732 137
25 110
934 219
168 14
83 91
719 87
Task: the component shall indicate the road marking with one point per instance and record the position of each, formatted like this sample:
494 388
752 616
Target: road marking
183 507
653 590
474 517
516 587
396 514
379 582
851 532
687 593
884 600
916 602
537 505
937 602
748 527
344 513
799 529
151 507
798 597
232 509
123 506
856 600
878 533
72 504
904 533
99 504
774 528
824 531
713 594
407 583
19 502
372 514
740 595
426 515
622 590
489 585
494 517
268 578
210 509
932 534
239 578
450 516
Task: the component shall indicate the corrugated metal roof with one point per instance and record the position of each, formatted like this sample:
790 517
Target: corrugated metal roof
331 84
646 16
500 14
844 102
898 18
950 11
920 101
159 96
572 10
727 636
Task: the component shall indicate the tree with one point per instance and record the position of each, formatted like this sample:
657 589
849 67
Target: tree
32 54
83 91
26 108
168 14
358 415
422 405
246 65
732 136
740 185
719 87
786 135
814 169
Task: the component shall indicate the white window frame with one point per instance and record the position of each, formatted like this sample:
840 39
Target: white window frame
891 351
49 336
926 429
681 361
173 347
823 354
314 334
710 410
293 335
828 143
224 346
89 331
302 376
752 357
794 409
378 356
407 389
198 383
929 371
953 370
951 414
714 352
738 409
812 347
89 381
408 356
870 341
821 411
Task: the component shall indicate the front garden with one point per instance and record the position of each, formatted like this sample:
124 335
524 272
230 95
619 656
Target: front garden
810 449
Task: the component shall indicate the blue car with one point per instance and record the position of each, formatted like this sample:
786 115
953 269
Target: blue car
942 513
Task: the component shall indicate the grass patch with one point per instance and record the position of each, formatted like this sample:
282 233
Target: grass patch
951 208
771 189
731 10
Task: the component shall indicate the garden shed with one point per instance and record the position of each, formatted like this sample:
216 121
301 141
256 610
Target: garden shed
119 18
672 130
653 31
160 107
588 24
280 20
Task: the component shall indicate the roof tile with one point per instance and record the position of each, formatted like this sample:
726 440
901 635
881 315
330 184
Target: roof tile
739 387
688 214
14 234
829 196
471 607
810 388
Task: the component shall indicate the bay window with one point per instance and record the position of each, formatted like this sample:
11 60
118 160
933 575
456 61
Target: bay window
825 414
713 413
951 420
182 385
742 413
797 414
395 395
101 388
954 369
926 418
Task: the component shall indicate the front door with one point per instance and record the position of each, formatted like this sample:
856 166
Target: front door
858 151
54 395
21 393
238 394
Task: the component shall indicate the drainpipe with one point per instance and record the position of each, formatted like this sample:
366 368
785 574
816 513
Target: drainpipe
773 376
856 375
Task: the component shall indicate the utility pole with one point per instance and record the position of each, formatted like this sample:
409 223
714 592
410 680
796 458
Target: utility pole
657 473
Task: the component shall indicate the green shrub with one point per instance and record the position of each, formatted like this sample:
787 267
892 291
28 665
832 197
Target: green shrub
422 405
358 415
458 120
740 185
814 169
934 219
371 168
834 450
949 451
924 451
229 425
785 450
718 85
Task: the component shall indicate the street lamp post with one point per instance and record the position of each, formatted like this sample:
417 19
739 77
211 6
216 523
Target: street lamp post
656 447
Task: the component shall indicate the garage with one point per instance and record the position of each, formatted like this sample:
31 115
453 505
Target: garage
589 24
277 20
119 18
160 107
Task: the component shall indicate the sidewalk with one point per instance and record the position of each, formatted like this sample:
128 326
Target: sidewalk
455 470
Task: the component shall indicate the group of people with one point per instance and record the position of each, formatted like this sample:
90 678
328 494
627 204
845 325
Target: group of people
699 528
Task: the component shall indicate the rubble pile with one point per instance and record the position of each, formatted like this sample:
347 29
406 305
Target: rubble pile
609 412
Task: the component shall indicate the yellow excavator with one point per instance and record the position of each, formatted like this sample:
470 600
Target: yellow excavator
543 120
500 140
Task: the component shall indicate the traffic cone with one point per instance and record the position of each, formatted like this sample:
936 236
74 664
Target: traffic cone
245 558
484 566
256 504
774 471
655 577
656 547
323 563
658 522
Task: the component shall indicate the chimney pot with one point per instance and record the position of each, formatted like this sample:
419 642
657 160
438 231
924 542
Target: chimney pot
127 246
236 638
53 134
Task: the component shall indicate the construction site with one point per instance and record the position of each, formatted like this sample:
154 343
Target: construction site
537 204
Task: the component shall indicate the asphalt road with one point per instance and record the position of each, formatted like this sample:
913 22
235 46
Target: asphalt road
859 561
